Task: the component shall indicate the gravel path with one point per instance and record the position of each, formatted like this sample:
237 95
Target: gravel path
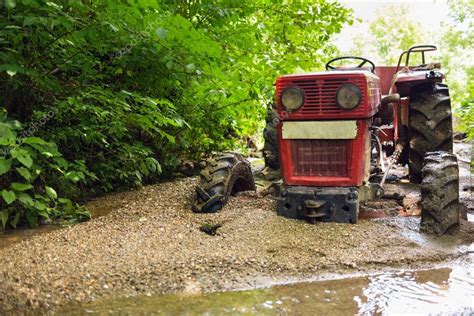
151 243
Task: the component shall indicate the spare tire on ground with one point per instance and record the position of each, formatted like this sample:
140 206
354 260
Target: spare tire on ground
224 176
440 194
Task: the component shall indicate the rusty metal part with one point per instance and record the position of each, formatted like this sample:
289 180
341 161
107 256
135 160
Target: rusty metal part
404 111
391 98
380 163
393 159
312 208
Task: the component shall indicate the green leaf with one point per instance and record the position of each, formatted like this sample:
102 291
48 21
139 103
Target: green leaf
21 186
44 213
8 196
47 154
3 114
5 165
74 176
11 69
7 136
51 193
32 218
34 140
54 5
15 220
66 203
4 217
39 205
10 4
25 173
25 199
22 156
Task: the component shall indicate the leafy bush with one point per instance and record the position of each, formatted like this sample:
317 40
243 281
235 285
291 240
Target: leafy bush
29 168
466 110
120 136
457 47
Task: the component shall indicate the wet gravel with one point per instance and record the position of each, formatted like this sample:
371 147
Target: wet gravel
150 243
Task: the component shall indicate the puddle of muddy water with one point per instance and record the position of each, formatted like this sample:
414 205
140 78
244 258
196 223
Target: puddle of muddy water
11 237
447 290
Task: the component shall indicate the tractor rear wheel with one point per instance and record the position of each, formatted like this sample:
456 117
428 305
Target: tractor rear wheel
225 175
431 126
270 136
440 194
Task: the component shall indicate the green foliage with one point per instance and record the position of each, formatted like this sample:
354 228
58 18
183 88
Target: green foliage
403 34
27 166
458 45
119 135
466 110
391 33
127 89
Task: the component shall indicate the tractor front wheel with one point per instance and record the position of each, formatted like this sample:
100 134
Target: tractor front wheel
225 175
440 194
431 126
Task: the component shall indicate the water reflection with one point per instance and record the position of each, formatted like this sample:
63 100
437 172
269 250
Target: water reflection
445 290
405 292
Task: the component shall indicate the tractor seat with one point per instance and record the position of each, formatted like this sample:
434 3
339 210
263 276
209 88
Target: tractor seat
429 66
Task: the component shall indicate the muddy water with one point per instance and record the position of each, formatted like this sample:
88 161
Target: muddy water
448 290
13 236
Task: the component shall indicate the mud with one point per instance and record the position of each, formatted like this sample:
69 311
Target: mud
150 243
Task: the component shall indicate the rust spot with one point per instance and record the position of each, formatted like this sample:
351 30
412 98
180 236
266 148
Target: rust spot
411 206
363 214
410 212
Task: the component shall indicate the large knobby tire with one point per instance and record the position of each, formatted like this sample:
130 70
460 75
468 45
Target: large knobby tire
431 126
270 136
225 175
440 194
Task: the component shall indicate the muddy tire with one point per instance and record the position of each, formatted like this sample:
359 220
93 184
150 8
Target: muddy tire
270 136
431 126
225 175
440 194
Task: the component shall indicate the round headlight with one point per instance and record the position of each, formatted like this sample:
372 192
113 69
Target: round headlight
292 98
348 96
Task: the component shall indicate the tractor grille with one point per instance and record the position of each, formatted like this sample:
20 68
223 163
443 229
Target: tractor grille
320 95
321 158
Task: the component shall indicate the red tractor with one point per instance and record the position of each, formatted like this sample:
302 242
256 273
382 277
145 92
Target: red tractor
335 134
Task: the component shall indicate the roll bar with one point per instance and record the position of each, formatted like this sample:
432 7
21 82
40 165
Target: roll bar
415 49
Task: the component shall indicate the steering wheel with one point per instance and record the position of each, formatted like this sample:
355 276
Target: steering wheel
364 61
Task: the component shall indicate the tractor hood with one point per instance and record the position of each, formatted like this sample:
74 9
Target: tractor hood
319 91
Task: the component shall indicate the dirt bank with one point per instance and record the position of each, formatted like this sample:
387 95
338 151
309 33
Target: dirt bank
152 243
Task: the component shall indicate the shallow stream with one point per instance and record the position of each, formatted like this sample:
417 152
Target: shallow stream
444 290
